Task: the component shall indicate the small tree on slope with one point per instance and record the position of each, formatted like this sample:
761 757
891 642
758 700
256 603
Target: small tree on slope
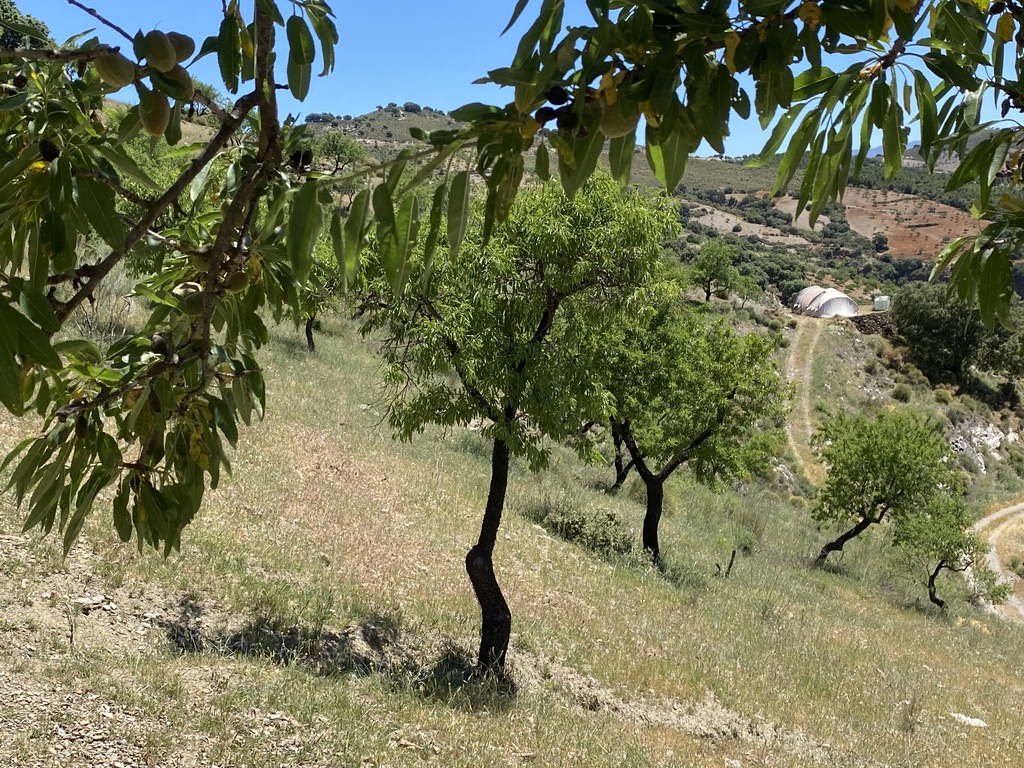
885 465
937 537
689 390
510 335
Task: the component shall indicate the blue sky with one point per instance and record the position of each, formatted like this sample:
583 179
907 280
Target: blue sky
426 52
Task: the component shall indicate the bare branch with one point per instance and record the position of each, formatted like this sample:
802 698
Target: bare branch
201 98
46 55
95 14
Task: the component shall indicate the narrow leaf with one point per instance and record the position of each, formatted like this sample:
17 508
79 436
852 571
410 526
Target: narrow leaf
458 212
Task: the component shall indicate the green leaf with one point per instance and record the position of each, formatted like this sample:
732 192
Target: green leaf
667 155
229 55
406 228
28 340
620 157
327 33
172 134
301 49
585 154
14 102
303 227
10 386
355 225
299 76
81 349
127 166
348 264
96 201
436 211
270 8
458 212
779 134
37 307
520 7
542 166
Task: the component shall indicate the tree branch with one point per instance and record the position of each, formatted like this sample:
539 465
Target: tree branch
201 98
95 14
626 432
47 55
96 272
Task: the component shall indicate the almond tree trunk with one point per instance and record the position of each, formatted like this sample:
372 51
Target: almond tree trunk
496 618
310 344
931 586
652 518
837 544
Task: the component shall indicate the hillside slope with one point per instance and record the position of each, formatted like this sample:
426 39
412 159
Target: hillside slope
319 615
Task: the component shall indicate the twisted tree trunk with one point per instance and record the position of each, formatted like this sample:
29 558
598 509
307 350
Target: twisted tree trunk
621 467
931 585
652 518
496 618
837 544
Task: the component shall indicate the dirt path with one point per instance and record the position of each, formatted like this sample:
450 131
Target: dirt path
991 527
799 370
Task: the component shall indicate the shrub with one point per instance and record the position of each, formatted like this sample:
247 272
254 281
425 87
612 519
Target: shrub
598 530
957 414
902 392
871 366
791 323
915 376
775 325
943 396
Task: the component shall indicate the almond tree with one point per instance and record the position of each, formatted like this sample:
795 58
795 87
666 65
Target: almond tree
689 391
512 334
884 466
233 233
937 537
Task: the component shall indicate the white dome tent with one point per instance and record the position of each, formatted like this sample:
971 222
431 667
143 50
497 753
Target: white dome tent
816 301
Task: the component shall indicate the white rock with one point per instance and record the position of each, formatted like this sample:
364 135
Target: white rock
974 722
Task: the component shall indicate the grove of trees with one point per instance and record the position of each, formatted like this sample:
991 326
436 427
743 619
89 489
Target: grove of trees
947 337
228 241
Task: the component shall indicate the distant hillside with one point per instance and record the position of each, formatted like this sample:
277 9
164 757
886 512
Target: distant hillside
389 123
883 233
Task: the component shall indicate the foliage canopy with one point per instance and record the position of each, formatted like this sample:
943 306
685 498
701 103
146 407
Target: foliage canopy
233 234
885 465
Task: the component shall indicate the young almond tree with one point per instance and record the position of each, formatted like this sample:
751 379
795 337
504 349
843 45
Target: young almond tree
885 465
937 537
713 270
689 390
510 334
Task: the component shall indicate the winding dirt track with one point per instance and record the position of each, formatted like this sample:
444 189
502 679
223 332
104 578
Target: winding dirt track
799 369
991 527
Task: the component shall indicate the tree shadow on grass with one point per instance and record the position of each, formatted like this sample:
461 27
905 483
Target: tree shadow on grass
375 646
293 346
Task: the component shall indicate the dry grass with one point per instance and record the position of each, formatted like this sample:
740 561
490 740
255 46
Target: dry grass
327 524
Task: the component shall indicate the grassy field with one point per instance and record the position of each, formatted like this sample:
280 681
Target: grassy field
319 614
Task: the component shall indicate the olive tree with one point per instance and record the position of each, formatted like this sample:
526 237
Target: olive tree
881 466
689 391
511 334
